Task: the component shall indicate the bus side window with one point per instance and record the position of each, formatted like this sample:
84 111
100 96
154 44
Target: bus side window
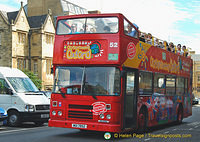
130 83
145 83
170 85
130 30
159 83
186 86
180 86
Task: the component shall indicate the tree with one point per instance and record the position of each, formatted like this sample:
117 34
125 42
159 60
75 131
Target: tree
34 78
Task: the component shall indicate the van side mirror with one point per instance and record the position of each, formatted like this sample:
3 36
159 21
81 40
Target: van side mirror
9 91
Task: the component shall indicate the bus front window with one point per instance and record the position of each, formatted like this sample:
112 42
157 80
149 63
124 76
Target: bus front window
87 25
87 80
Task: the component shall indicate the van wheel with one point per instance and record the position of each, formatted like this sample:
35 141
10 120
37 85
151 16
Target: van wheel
13 118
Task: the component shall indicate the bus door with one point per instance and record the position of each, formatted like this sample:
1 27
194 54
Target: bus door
130 98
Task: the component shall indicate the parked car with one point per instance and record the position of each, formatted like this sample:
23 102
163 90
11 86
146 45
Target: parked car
195 101
3 116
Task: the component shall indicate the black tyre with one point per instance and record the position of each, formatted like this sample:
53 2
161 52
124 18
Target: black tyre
13 118
179 115
143 121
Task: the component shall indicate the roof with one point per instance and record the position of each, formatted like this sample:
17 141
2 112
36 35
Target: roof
4 14
36 21
11 72
72 8
195 57
12 16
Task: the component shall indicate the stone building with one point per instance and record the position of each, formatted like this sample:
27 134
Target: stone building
58 8
14 29
27 43
27 36
41 41
196 74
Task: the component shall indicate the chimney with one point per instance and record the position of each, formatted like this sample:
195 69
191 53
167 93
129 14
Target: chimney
49 12
21 3
12 22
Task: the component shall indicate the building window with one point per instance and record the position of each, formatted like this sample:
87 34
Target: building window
0 39
48 66
71 8
198 67
35 67
21 63
21 38
198 78
198 89
49 39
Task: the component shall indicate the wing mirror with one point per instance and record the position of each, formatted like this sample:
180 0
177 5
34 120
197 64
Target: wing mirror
9 91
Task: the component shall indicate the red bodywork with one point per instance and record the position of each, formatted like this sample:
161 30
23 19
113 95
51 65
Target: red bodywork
130 53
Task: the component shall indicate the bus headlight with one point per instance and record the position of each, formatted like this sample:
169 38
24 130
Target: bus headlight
60 113
108 116
54 113
101 116
29 108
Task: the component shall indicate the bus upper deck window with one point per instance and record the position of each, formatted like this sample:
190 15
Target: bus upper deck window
130 30
87 25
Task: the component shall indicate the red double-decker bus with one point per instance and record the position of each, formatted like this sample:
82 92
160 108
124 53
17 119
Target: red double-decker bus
106 79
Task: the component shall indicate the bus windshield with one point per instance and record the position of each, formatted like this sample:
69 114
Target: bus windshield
87 80
87 25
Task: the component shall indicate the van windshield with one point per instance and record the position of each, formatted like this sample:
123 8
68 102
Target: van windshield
22 85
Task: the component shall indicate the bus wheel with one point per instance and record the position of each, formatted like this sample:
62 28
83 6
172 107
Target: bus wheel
143 120
13 118
180 115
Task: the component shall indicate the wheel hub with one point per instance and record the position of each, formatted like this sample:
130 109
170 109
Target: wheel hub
13 118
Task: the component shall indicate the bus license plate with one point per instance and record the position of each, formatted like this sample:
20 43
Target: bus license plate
44 115
79 126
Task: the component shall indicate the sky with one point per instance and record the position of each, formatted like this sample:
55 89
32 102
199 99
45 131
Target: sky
176 21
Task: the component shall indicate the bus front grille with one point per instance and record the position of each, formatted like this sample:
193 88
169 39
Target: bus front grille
88 107
80 114
80 111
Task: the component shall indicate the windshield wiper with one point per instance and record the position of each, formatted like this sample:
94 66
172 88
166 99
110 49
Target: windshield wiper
94 96
63 95
83 81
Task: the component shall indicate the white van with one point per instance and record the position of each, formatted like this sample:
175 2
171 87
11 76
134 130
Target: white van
21 98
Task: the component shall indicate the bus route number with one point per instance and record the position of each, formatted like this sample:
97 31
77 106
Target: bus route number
113 44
